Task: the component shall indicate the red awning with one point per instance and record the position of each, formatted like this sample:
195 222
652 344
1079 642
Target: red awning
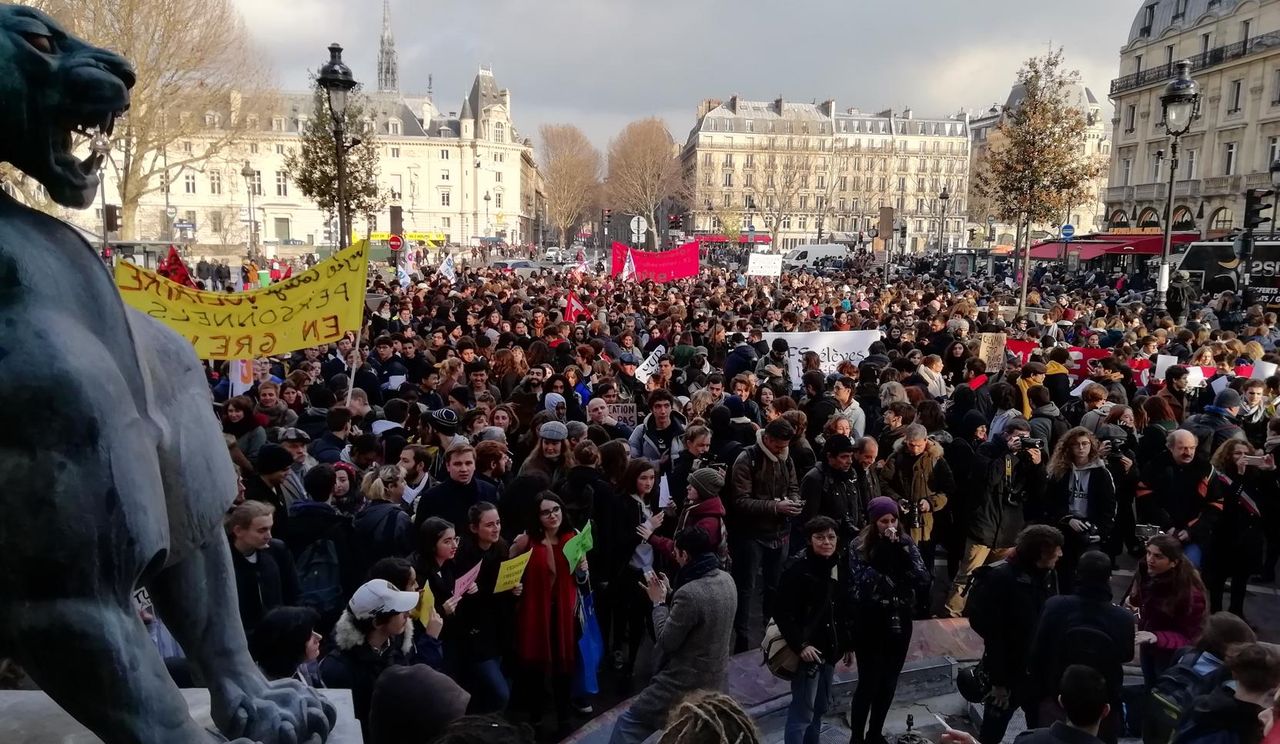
1110 245
1148 245
759 238
1086 251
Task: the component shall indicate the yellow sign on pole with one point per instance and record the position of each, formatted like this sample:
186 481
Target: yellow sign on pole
313 307
510 572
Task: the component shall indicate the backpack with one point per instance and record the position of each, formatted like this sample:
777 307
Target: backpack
1058 427
982 606
1207 434
320 578
1173 694
1091 646
1073 411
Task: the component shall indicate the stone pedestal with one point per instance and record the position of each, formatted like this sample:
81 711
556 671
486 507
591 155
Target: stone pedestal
33 718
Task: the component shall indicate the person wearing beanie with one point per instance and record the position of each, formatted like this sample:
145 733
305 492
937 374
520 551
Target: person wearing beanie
1218 424
702 508
263 567
413 704
549 455
779 357
266 482
886 572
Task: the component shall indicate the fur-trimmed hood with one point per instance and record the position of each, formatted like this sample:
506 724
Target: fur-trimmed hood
347 636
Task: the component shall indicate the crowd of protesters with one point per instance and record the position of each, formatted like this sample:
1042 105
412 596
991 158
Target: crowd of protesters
471 422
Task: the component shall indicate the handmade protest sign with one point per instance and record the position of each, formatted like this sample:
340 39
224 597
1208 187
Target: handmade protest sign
991 350
510 573
576 547
832 347
466 581
313 307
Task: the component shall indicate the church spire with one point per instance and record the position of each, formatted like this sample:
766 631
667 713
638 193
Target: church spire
388 66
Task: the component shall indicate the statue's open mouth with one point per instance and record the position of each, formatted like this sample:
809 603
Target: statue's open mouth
89 125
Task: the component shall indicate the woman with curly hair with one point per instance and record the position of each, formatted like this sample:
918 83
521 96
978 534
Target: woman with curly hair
1081 499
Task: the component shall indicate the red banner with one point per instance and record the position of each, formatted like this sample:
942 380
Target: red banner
1081 356
663 266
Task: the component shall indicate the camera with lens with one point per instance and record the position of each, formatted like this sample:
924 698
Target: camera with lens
908 514
1090 534
1145 532
1029 443
1117 445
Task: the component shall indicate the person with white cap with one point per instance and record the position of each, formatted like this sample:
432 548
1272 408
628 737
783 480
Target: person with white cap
374 633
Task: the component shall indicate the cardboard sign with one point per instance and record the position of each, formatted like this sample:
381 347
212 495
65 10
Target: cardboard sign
466 581
510 573
991 350
625 413
576 547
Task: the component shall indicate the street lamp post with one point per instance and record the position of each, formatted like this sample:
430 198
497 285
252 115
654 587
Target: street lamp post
336 80
101 146
1275 186
488 226
247 174
944 197
1181 106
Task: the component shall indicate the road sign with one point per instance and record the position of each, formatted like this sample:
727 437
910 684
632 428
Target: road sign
1068 232
171 211
395 242
184 225
639 225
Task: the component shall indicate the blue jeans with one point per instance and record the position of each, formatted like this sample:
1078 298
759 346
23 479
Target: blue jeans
488 687
630 729
1193 553
810 695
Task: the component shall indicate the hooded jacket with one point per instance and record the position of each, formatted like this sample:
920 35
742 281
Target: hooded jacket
1048 423
1100 497
1218 713
760 480
381 530
743 358
1089 606
355 665
644 439
915 479
857 418
827 492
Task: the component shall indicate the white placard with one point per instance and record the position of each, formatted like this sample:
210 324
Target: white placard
1164 362
1195 377
764 264
1262 370
1220 384
1079 391
832 347
664 494
395 381
650 364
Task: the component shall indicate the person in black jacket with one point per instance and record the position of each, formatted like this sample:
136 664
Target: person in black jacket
1011 482
818 405
1242 481
1084 700
1231 713
453 497
382 529
1084 628
813 616
265 576
830 489
1080 498
968 434
1004 609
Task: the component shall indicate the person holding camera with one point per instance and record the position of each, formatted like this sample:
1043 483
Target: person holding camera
1081 498
1008 478
917 476
1242 480
1172 493
885 573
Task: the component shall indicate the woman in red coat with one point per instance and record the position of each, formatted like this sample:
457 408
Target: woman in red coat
546 640
1168 598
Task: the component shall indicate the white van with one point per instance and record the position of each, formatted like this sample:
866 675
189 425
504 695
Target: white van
807 256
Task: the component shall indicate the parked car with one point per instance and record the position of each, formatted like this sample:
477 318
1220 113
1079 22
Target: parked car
518 267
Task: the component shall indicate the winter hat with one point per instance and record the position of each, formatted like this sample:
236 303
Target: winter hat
272 458
709 482
576 429
880 506
1228 398
445 421
414 703
554 431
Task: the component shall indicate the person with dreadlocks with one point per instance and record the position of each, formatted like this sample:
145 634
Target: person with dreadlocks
692 636
707 717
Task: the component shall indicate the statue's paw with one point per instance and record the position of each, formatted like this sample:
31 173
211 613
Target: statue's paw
283 712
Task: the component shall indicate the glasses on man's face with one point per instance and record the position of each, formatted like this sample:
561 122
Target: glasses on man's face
549 512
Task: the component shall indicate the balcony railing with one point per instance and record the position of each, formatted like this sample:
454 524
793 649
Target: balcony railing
1205 60
1119 194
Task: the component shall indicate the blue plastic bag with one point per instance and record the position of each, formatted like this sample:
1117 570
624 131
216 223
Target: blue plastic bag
590 648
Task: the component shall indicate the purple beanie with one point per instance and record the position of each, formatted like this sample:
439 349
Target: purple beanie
881 506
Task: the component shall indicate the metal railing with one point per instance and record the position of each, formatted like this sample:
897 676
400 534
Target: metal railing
1204 60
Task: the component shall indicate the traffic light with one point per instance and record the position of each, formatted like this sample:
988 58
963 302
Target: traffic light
111 218
675 222
973 233
397 220
606 216
902 231
1254 206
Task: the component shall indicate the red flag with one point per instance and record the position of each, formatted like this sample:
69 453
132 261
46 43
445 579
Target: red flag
574 309
288 272
173 269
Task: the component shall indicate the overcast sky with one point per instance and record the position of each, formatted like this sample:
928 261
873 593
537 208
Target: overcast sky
602 63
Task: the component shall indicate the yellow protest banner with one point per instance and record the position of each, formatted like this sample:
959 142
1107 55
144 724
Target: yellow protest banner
314 307
426 606
510 573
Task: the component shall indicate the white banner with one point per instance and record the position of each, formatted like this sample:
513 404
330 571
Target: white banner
650 364
765 264
832 347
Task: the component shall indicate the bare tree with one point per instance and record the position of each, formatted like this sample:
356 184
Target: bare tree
198 82
570 176
782 174
644 170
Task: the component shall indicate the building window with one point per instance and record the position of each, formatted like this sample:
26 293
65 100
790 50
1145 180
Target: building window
1275 86
1229 159
253 148
707 180
1126 171
747 180
215 221
1155 168
749 126
444 198
1137 64
215 182
446 222
499 132
189 183
728 200
395 152
1273 152
277 123
186 147
1148 19
255 183
279 149
728 179
1204 44
1233 98
497 177
706 159
282 183
749 160
393 126
444 174
1191 167
802 223
1130 118
213 121
728 160
444 154
1245 27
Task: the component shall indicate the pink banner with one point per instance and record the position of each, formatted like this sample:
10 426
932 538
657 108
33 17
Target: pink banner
663 266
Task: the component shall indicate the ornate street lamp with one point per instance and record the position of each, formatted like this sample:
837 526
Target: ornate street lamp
944 197
336 80
1181 106
101 146
247 174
